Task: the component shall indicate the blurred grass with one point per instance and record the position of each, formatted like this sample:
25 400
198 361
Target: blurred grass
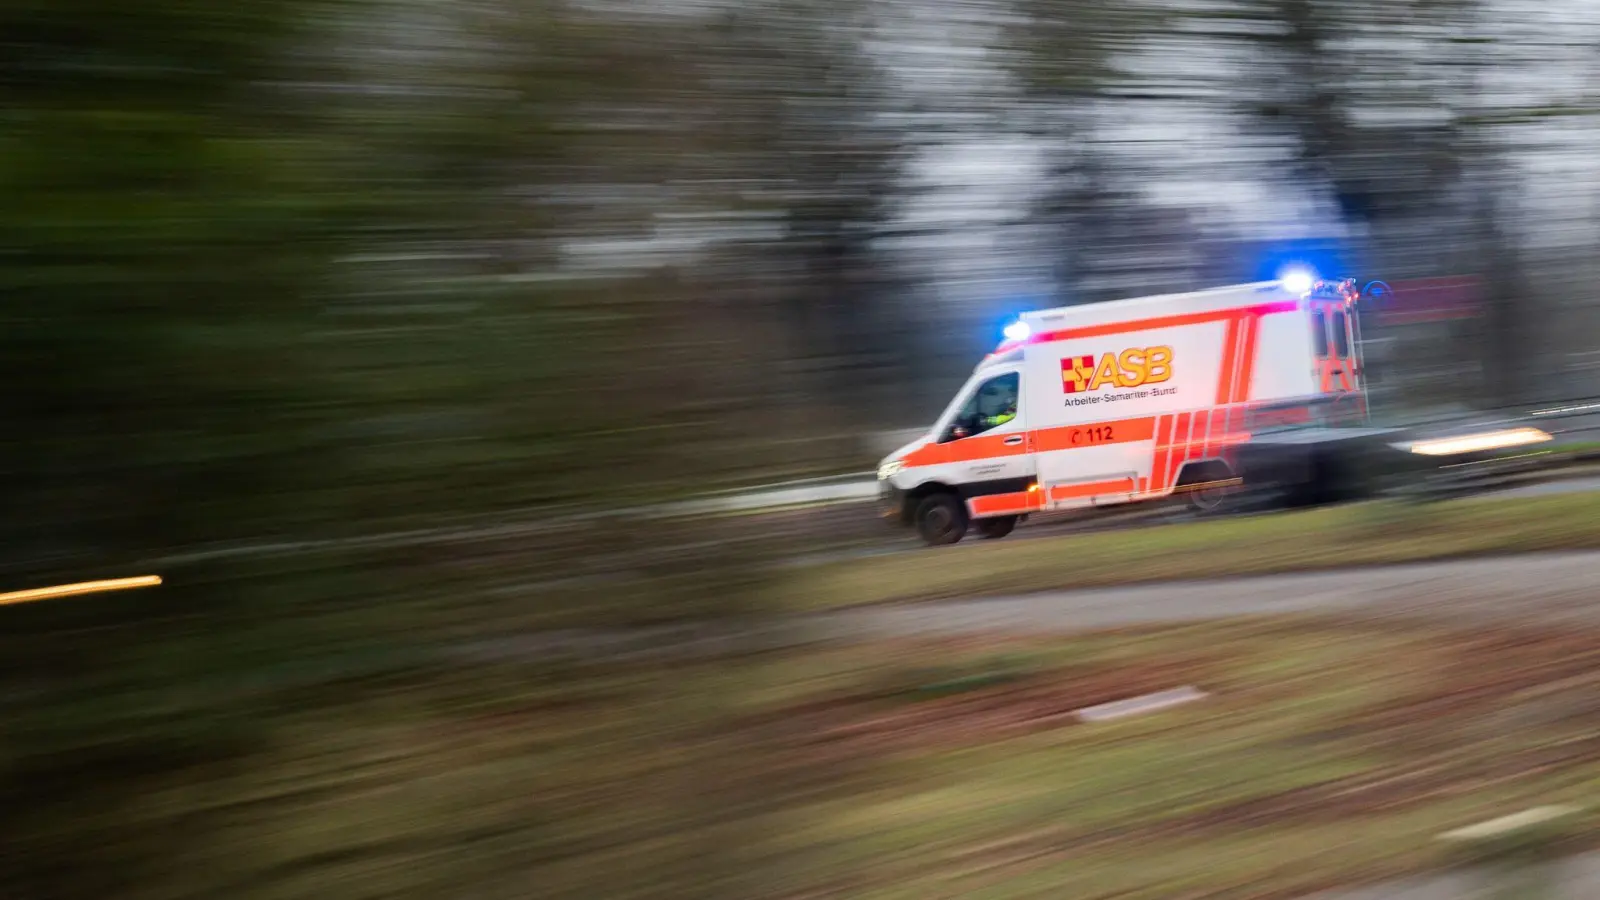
629 781
1356 535
283 727
626 573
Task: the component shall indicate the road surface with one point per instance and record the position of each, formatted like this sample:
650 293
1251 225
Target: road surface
1577 878
857 491
1551 488
1550 589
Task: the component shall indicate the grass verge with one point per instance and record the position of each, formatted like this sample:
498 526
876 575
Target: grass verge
1329 752
1357 535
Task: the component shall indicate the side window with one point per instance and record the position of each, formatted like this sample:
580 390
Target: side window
992 405
1341 336
1319 334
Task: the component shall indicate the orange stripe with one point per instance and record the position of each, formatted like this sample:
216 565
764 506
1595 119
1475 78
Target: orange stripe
1110 328
1247 362
1230 359
1238 354
1094 434
1158 469
1228 416
1185 429
969 450
1090 490
1180 439
1016 504
1293 415
1045 440
1192 450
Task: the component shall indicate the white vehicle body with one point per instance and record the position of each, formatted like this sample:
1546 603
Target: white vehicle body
1126 401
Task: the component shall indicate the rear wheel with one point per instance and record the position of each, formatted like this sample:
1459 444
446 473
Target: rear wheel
941 519
996 528
1205 486
1206 500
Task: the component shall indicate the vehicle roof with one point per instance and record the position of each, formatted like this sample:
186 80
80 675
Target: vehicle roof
1136 308
1147 307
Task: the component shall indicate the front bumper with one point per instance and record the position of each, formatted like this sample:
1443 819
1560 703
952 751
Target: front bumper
892 503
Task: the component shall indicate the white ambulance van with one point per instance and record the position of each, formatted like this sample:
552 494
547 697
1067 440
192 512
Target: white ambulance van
1127 401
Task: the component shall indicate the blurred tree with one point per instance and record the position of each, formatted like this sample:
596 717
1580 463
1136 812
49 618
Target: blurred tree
317 269
306 266
164 233
1111 240
793 124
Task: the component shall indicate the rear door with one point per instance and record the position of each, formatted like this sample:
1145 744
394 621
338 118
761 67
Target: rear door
1339 362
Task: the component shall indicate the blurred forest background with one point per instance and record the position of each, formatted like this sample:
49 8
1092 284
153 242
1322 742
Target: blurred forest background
307 270
345 264
351 263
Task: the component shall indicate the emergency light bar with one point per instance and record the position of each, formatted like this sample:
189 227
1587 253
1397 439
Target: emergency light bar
1335 290
1297 281
1345 289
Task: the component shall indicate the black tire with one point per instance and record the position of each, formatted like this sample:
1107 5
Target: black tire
1202 500
941 519
996 528
1207 502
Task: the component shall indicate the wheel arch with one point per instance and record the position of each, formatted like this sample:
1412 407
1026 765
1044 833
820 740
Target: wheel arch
1201 472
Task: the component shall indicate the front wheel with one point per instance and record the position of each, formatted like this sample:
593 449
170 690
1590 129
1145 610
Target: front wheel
941 519
996 528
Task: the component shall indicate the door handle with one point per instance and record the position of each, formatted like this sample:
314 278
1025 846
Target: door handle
1013 441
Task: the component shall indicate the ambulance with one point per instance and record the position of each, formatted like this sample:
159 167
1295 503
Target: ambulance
1135 400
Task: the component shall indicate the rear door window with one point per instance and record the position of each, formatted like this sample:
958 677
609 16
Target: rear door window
1341 336
1319 334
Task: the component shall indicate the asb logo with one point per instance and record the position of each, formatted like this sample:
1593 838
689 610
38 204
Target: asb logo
1134 367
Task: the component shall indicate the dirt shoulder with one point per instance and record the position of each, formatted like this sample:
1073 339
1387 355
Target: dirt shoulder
1372 534
1550 589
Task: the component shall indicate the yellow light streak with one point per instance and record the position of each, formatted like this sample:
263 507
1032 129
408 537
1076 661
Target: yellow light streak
82 587
1478 443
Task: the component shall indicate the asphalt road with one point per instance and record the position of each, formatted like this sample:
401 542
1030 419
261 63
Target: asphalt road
1577 878
1549 589
1550 488
1543 587
1151 515
854 491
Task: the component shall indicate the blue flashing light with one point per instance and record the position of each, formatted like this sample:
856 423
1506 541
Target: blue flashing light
1297 281
1018 331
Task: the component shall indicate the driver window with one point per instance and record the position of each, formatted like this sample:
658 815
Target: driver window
992 405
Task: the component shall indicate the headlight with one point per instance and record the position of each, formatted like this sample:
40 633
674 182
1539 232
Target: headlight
889 469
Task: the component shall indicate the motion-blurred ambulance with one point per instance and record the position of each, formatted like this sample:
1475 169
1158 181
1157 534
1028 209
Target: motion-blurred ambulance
1128 401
